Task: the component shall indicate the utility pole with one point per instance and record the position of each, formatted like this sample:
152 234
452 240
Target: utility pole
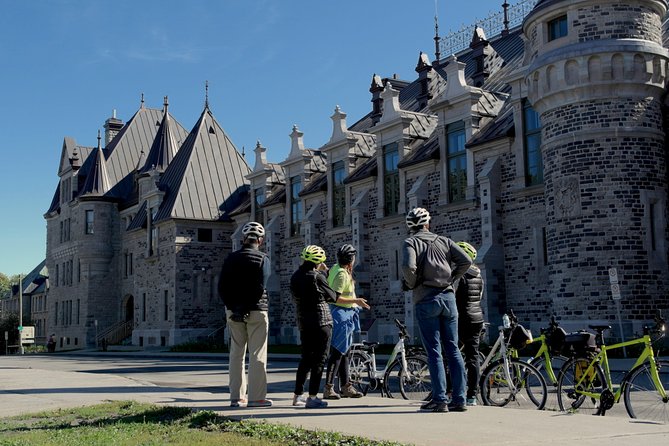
21 314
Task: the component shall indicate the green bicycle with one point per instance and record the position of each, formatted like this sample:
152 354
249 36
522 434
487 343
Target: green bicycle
548 359
584 383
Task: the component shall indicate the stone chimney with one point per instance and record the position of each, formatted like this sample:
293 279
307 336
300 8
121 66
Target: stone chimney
424 70
377 103
112 126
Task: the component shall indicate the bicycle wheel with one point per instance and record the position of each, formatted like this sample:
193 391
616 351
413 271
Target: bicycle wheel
522 386
551 384
415 382
360 371
570 397
642 399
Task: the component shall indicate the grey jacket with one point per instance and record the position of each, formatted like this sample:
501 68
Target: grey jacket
414 246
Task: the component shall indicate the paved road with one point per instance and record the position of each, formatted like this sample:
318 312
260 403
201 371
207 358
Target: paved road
33 383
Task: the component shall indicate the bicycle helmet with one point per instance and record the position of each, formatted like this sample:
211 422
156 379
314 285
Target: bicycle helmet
345 254
417 218
313 253
469 249
253 229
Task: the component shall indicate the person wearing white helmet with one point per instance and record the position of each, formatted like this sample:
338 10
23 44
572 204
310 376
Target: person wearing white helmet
431 264
243 287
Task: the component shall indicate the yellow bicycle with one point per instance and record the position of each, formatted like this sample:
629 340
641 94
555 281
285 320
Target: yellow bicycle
585 386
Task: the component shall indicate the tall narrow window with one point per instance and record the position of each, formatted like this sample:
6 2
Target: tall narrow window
57 275
143 307
259 197
534 167
557 28
131 264
78 310
153 232
391 179
90 219
653 236
457 161
166 310
296 206
56 315
338 194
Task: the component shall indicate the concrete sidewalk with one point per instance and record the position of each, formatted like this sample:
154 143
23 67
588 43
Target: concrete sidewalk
25 390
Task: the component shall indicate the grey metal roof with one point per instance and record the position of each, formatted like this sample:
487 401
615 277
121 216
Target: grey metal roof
366 170
423 151
34 280
140 219
124 151
501 126
164 145
317 183
97 181
207 177
278 196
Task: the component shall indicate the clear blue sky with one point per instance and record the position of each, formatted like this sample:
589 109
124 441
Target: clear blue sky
270 64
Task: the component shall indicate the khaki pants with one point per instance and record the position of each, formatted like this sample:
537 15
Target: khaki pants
252 333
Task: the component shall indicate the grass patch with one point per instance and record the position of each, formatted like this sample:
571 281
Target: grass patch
130 423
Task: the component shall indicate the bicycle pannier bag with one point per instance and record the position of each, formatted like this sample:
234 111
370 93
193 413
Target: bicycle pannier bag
580 342
519 337
434 266
556 339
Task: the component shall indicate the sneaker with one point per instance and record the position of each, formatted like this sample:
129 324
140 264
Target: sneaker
348 391
453 407
329 393
260 403
238 403
471 401
315 403
434 406
299 400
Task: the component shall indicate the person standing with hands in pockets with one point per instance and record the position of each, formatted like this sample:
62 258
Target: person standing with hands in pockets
345 319
430 265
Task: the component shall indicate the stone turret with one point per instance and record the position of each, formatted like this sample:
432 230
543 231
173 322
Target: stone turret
596 73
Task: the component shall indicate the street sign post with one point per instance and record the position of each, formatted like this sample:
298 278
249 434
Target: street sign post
27 335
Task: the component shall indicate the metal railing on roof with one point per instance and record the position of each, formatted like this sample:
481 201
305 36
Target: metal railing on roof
493 25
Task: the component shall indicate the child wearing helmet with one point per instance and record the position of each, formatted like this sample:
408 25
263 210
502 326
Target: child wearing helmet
470 320
345 318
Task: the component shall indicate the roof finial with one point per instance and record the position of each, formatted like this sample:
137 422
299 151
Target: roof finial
437 54
206 94
99 144
505 5
165 104
244 151
141 104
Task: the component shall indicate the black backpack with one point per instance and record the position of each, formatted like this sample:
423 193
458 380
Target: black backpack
434 265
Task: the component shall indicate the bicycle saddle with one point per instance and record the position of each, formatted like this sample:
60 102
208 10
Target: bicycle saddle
370 344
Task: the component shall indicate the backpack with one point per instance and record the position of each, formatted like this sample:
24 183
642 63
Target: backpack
434 265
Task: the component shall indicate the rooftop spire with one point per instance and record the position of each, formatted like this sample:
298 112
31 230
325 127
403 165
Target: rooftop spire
99 138
206 94
165 104
141 104
97 180
437 54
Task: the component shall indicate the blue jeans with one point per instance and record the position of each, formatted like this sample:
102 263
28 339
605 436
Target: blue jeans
438 323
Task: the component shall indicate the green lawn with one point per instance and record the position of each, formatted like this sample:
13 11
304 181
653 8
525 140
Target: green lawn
131 423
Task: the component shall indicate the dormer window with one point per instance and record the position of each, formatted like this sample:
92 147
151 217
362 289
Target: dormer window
296 205
557 28
391 179
259 199
457 161
338 194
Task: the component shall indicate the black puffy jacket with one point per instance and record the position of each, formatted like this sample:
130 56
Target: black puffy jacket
468 296
312 294
241 284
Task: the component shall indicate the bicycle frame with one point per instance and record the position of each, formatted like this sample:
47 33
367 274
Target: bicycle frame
499 350
399 349
545 352
602 358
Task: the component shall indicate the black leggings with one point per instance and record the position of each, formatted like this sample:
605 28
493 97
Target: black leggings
337 364
315 341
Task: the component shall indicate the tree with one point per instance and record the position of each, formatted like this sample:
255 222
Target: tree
5 284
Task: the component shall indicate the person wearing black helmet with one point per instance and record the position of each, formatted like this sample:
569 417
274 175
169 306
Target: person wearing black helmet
345 318
242 286
431 264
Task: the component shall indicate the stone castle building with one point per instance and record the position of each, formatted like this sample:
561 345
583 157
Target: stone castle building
544 146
